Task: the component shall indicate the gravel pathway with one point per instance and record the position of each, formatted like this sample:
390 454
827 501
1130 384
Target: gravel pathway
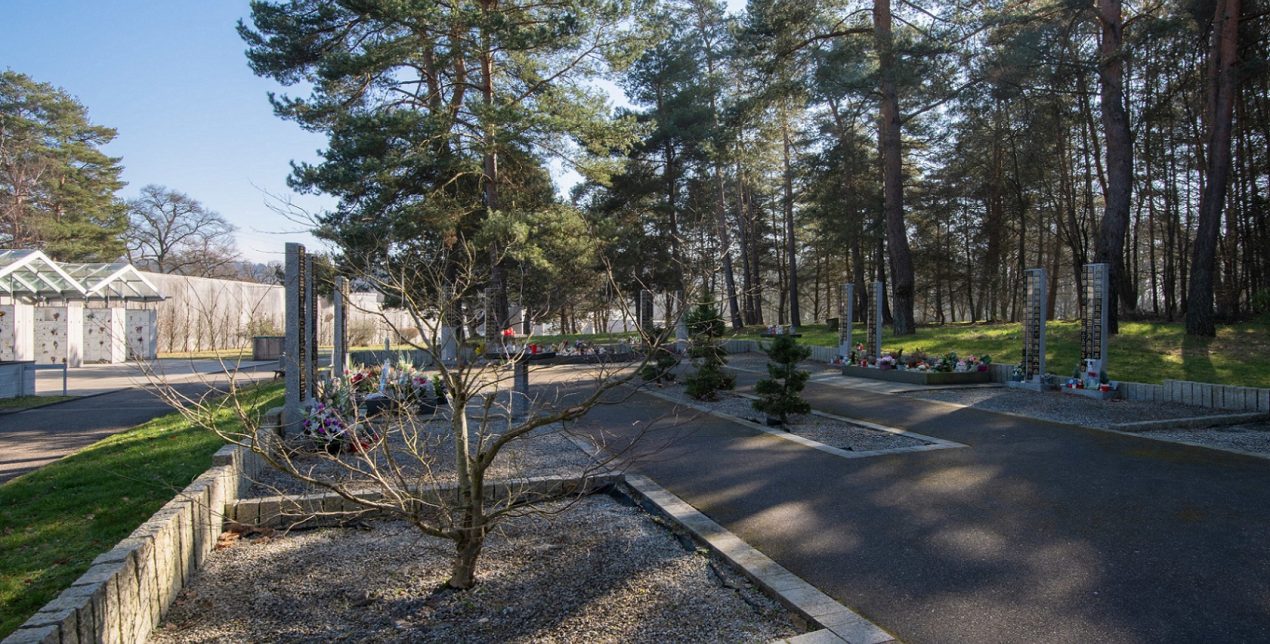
1058 407
601 572
1249 438
829 431
427 449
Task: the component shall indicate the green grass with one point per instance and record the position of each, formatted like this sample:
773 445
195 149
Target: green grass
1142 352
27 402
55 520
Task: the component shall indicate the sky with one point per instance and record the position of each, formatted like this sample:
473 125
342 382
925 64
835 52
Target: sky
171 77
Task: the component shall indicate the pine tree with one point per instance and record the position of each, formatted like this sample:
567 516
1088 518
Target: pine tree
706 326
57 188
778 393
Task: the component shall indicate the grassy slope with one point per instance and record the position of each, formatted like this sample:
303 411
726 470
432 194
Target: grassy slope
1142 352
55 520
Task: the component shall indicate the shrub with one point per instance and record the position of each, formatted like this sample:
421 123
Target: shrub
661 367
778 393
706 326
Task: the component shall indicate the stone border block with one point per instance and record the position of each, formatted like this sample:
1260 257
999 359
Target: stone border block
838 622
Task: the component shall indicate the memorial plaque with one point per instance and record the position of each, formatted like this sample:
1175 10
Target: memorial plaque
846 319
1093 329
295 358
1034 314
310 331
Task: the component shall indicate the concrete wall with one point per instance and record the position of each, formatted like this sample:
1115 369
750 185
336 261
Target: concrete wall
17 328
105 335
59 334
203 313
142 326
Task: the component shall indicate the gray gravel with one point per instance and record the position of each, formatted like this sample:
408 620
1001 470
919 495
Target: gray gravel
1249 438
829 431
601 572
1062 408
426 449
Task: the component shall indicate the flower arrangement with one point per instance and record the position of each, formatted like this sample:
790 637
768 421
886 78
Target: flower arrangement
887 362
952 363
326 426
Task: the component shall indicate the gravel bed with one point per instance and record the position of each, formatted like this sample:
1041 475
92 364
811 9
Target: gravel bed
426 448
829 431
601 572
1062 408
1249 438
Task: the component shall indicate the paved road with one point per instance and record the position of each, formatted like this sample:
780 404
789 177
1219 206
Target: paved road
33 438
1036 532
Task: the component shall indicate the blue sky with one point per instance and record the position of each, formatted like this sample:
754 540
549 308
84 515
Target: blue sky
171 77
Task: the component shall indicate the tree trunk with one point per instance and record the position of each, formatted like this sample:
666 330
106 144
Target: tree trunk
1221 99
795 316
1115 121
902 281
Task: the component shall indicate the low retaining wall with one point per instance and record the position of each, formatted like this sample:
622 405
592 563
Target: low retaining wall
327 509
1182 392
128 590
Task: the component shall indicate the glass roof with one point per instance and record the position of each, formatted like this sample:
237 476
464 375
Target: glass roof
113 281
31 274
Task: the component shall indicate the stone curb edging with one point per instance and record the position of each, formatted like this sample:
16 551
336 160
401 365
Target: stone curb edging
1194 422
932 442
128 589
329 509
840 622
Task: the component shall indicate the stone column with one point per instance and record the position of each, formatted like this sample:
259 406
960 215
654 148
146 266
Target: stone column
311 330
449 320
846 320
646 312
294 358
1035 301
1093 328
681 323
520 388
74 334
339 353
874 344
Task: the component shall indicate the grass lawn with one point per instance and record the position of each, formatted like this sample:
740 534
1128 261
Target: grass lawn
55 520
27 402
1142 352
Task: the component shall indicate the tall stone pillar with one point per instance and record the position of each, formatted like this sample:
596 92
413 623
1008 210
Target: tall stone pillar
339 352
295 358
846 320
310 330
1093 328
1035 301
874 328
681 323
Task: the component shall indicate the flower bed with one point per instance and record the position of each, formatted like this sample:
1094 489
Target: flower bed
919 368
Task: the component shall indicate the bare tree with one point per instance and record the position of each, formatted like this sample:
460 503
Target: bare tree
171 232
453 475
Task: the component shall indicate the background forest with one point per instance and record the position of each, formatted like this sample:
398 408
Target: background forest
944 148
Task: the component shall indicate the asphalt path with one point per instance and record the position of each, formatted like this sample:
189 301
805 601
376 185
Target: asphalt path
32 438
1035 532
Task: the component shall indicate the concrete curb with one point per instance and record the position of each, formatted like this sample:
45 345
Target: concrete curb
932 442
1195 422
837 622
